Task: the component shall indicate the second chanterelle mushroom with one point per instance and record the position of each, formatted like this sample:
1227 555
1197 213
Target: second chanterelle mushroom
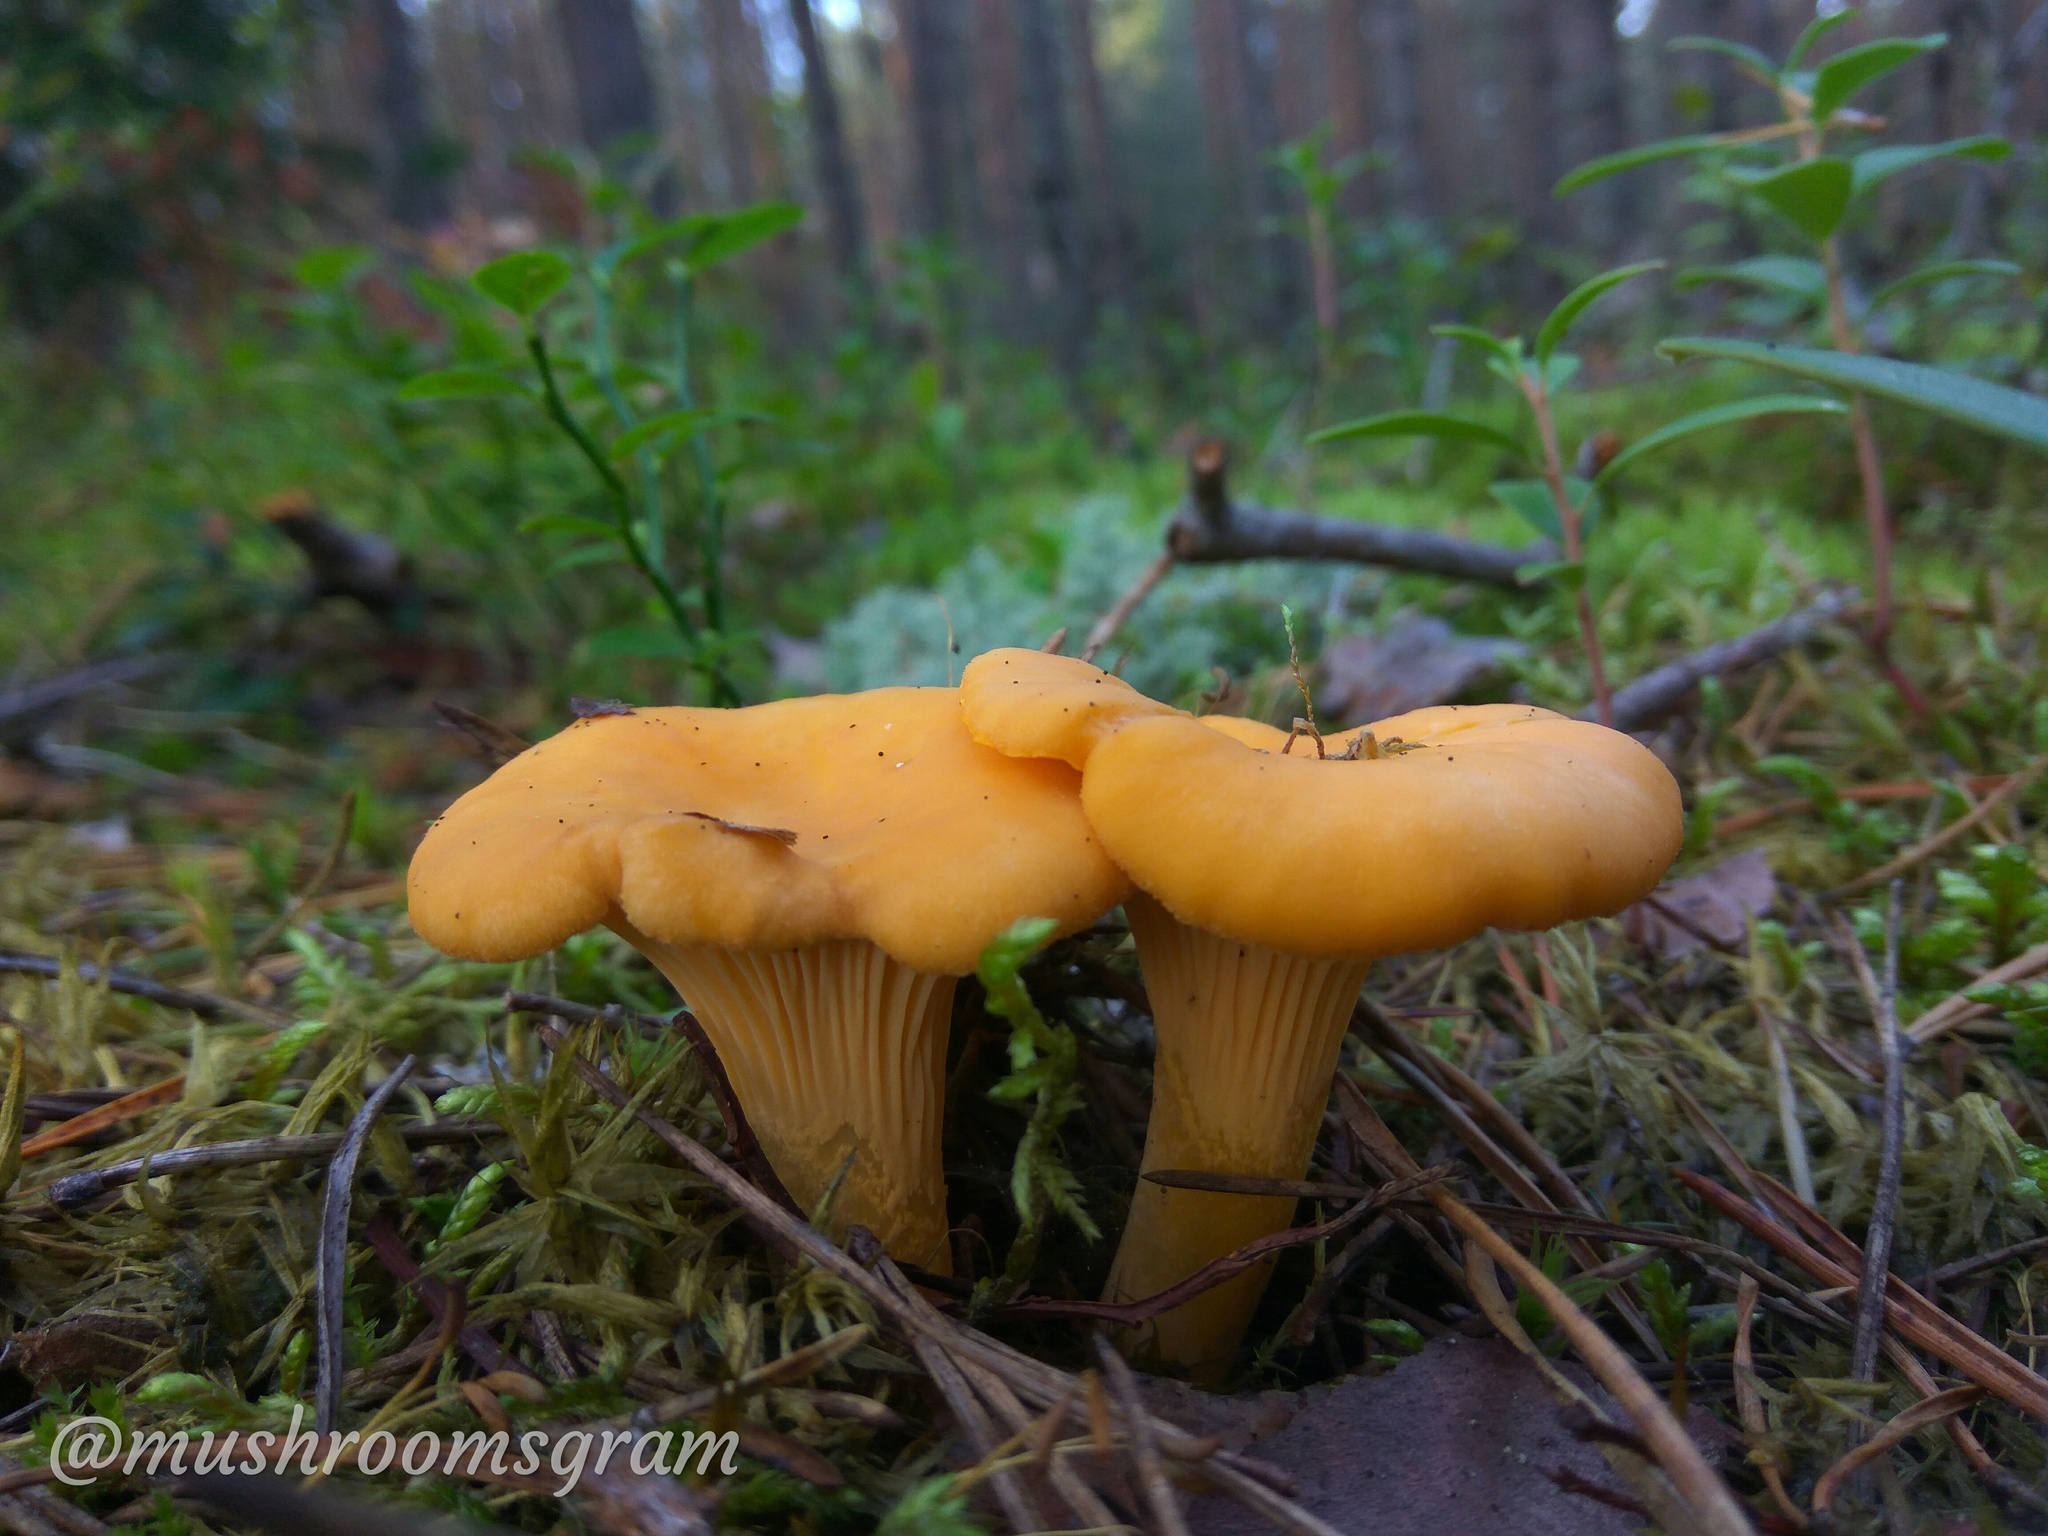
1268 880
812 875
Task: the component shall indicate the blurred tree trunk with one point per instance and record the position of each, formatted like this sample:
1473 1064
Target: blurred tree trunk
1065 288
1454 177
413 195
844 225
1529 121
1347 57
1400 77
995 66
614 93
1281 255
746 122
1221 260
928 43
1109 221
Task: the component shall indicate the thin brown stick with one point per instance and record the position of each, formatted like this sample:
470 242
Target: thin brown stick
331 1272
1884 1210
1120 611
1907 1424
207 1005
1251 1482
76 1189
1232 1264
1211 527
1956 1010
296 904
746 1148
1906 1311
1749 1405
1860 794
79 1127
1123 1386
968 1412
1989 806
1717 1510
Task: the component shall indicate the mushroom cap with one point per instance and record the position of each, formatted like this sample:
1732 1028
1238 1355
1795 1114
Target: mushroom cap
1492 815
856 816
1030 704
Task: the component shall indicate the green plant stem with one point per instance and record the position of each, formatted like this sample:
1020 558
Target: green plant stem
1869 467
711 524
1574 542
653 529
616 492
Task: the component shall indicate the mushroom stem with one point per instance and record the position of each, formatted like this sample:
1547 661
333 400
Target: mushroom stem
834 1048
1248 1039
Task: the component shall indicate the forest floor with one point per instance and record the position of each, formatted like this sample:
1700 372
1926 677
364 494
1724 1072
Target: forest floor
1678 1117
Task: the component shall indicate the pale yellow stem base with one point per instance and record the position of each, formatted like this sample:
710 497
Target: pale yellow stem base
832 1049
1248 1040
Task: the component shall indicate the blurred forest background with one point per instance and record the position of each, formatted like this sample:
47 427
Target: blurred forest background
1046 245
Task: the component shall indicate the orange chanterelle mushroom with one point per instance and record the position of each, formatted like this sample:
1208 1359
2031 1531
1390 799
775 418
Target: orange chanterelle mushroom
1270 876
812 875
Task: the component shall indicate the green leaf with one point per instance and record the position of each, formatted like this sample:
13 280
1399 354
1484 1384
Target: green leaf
634 640
1628 159
1506 348
1568 574
586 554
669 424
1942 271
1562 368
461 384
1419 424
1812 194
1579 300
1816 29
567 522
1718 416
726 235
709 238
523 281
1875 166
1531 501
332 267
1753 63
1800 276
1853 68
2009 413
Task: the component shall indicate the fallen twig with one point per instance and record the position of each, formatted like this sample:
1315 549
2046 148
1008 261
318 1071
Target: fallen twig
207 1005
1749 1405
1234 1263
1257 1486
1123 1386
1858 794
1717 1510
739 1135
1120 611
1906 1311
1916 1418
1656 694
1957 1010
1923 851
1884 1209
331 1275
260 945
491 742
79 1127
19 704
76 1189
1210 527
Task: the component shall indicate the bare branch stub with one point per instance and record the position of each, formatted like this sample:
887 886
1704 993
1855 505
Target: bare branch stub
1211 527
